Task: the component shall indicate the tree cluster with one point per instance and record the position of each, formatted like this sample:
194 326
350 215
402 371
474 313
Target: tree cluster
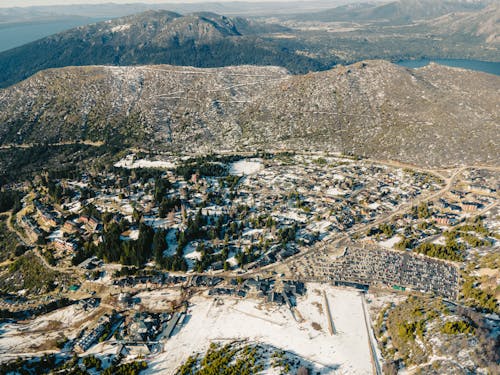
10 200
450 251
457 327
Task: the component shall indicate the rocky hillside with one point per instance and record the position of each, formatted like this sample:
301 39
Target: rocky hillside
431 116
154 37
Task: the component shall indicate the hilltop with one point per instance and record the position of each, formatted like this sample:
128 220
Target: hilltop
434 116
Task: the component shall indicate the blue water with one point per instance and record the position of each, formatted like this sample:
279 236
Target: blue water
18 34
480 66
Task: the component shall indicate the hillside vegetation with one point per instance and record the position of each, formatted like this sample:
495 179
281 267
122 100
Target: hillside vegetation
435 116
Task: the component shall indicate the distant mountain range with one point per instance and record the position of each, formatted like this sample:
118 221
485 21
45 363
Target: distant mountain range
114 10
435 116
400 11
403 29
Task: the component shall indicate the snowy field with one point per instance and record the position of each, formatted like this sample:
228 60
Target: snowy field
35 336
130 163
346 352
246 167
390 243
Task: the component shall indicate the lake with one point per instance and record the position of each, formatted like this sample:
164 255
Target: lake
15 35
480 66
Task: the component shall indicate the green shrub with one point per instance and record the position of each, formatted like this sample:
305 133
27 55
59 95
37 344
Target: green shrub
457 327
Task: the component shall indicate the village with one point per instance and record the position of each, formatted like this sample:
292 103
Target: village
138 242
227 219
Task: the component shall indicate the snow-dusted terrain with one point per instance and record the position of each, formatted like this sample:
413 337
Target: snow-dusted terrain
130 163
346 352
32 336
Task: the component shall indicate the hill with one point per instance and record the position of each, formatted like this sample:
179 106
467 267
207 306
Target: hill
435 116
405 29
154 37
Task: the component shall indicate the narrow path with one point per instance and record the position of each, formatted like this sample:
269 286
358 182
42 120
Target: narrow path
75 271
65 143
257 317
331 325
14 230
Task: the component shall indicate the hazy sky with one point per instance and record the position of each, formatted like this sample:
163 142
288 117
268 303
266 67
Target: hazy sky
22 3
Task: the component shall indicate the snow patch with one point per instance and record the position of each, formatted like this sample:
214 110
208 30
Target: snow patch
335 192
130 163
389 244
246 167
120 28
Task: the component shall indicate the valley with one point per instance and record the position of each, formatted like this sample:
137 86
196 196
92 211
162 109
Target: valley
250 188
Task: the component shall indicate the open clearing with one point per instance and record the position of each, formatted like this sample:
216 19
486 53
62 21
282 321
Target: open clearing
246 167
209 319
39 335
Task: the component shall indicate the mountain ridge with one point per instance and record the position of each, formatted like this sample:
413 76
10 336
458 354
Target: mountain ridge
484 24
435 116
